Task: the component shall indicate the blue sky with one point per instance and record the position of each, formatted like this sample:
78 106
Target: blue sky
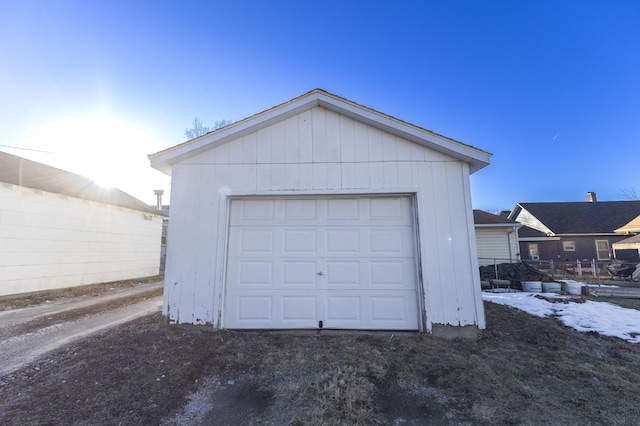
551 88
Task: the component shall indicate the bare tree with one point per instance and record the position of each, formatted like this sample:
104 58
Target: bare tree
221 123
198 129
630 193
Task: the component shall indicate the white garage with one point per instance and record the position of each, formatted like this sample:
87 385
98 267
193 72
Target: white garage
330 262
322 213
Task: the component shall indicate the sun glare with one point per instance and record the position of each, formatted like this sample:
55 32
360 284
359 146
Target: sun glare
111 151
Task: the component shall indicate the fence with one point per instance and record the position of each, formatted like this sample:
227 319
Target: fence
583 270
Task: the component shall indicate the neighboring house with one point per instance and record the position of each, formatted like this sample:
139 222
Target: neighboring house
59 229
496 238
570 231
318 213
629 247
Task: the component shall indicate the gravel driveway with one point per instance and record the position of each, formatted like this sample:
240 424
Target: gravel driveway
31 332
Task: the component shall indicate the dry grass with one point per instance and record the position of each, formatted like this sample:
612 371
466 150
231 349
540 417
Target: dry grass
524 370
16 301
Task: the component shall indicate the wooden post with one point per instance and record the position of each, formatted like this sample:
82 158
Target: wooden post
579 268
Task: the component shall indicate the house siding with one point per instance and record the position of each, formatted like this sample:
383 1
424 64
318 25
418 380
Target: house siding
585 248
50 241
325 153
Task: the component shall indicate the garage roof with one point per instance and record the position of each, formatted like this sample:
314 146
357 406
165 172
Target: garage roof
164 160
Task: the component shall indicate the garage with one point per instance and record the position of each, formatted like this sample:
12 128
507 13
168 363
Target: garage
321 212
335 262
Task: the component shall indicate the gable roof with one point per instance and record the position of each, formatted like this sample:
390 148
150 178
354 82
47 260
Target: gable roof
630 228
476 158
601 217
482 218
31 174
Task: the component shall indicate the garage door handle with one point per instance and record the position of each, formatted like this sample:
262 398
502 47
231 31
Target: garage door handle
320 273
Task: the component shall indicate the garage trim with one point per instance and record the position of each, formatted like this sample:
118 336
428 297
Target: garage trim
222 299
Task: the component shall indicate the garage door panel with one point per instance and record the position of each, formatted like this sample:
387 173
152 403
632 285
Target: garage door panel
254 273
299 241
299 308
389 209
256 241
340 241
389 308
343 209
390 242
342 273
398 273
342 308
378 310
252 308
253 209
271 309
304 210
299 273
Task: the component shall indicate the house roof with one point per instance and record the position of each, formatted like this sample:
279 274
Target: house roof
630 228
482 218
571 218
165 159
635 240
30 174
526 233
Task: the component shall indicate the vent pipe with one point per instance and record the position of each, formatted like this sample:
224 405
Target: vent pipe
591 197
159 193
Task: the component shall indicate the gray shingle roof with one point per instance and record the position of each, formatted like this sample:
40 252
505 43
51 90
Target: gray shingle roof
527 232
584 217
20 171
481 217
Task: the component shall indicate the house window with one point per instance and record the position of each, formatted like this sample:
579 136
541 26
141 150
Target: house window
602 246
533 251
569 245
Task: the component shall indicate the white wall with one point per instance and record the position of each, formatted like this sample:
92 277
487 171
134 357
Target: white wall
321 152
496 243
52 241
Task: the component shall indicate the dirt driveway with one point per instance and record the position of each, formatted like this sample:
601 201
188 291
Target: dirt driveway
30 332
523 370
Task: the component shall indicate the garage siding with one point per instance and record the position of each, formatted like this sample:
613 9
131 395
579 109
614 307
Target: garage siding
320 152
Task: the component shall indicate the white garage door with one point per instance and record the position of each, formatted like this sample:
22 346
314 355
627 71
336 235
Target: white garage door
348 262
